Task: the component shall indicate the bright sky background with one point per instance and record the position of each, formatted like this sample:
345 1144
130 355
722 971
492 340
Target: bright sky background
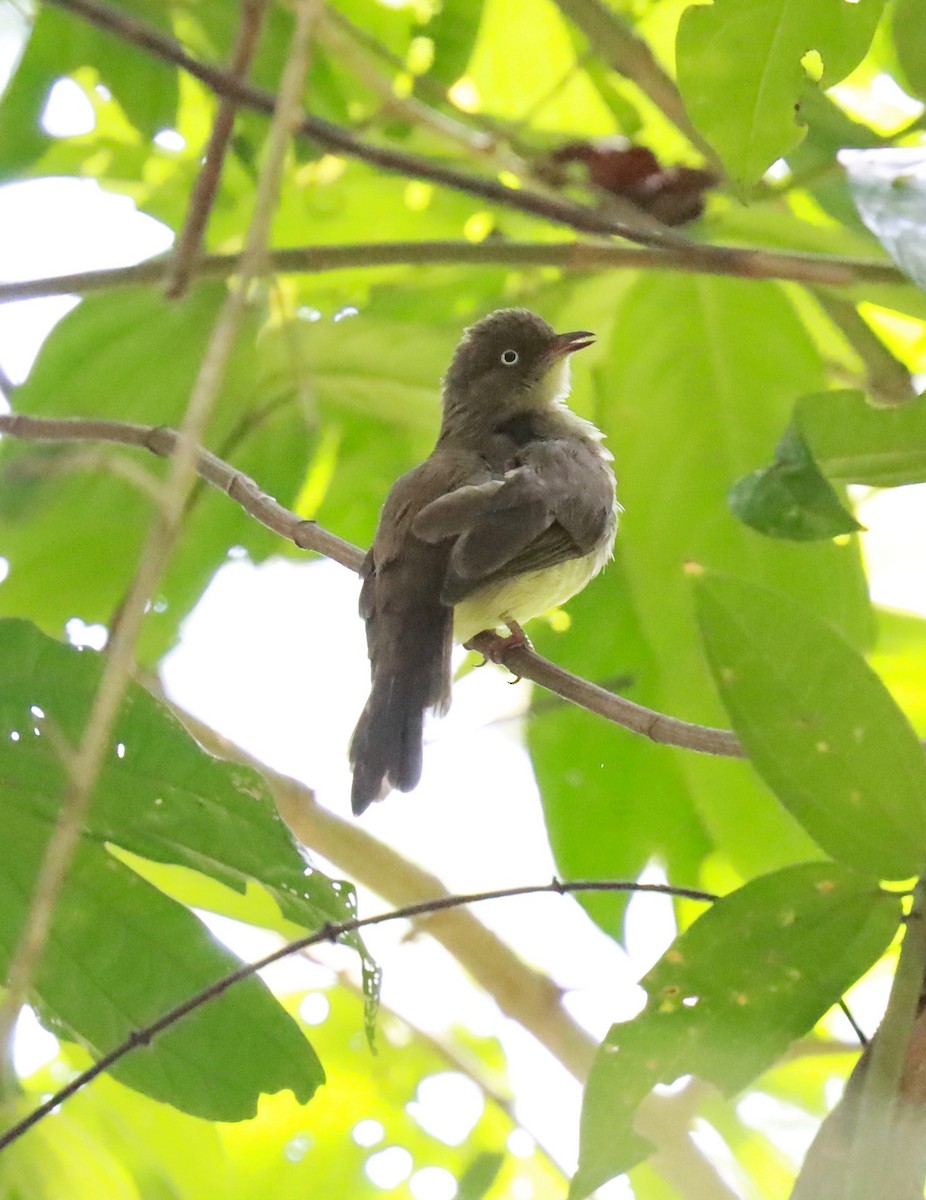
274 658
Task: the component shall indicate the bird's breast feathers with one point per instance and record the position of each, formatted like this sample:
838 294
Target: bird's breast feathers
521 597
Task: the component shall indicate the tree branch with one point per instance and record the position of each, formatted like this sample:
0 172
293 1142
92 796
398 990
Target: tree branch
182 264
83 765
308 535
568 256
521 992
336 138
329 933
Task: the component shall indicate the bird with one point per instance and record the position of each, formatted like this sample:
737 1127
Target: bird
512 513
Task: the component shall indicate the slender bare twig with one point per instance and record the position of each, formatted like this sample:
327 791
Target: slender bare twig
183 262
567 256
328 933
83 766
308 535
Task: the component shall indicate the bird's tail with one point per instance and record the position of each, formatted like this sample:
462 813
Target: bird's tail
411 674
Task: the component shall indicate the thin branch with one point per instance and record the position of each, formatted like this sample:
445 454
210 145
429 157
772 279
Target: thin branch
337 36
183 262
521 992
335 138
83 766
568 256
308 535
886 376
330 932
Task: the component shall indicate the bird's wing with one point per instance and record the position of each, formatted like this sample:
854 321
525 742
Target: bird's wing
555 505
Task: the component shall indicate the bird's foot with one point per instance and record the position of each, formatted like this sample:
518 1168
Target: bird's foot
495 648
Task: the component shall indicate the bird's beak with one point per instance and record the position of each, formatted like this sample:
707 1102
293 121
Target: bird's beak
568 343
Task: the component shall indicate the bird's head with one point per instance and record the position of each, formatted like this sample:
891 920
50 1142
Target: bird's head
508 362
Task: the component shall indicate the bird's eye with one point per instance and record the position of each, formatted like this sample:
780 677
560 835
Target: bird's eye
510 357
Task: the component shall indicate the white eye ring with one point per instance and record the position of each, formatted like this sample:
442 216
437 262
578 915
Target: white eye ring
510 357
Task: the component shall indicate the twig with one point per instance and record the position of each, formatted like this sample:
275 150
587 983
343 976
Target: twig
183 262
329 933
521 992
84 765
888 379
308 535
338 39
334 137
567 256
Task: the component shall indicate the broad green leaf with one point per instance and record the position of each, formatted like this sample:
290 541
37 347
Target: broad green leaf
687 413
160 795
289 1150
741 75
899 657
540 79
889 190
834 435
791 498
908 26
121 954
597 781
854 442
59 44
164 798
753 973
453 32
77 523
818 725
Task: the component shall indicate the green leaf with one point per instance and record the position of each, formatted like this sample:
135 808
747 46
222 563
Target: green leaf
187 807
59 44
748 977
841 436
132 356
854 442
453 31
162 797
740 72
791 498
908 26
121 954
597 781
818 725
686 414
899 657
889 190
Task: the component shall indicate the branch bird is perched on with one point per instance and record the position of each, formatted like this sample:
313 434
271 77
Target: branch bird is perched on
513 512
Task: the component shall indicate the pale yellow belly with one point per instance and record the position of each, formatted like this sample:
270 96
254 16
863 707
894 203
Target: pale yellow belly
524 596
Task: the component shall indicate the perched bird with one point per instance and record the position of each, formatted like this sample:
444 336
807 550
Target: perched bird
513 512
